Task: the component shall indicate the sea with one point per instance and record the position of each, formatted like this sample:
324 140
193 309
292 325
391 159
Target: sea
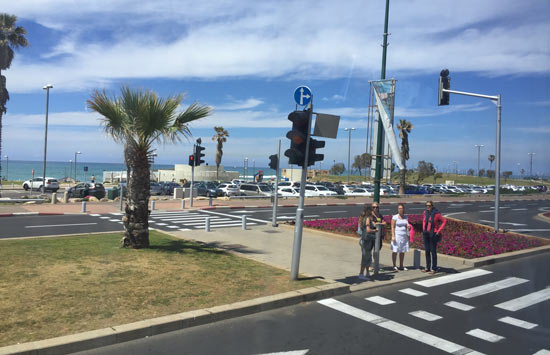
21 170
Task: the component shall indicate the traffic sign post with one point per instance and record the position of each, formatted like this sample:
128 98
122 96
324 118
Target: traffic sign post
302 96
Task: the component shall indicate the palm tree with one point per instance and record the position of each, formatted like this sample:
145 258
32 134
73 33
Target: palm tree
11 37
221 137
404 127
138 120
491 159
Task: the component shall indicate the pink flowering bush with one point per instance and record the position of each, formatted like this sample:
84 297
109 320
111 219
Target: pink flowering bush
459 238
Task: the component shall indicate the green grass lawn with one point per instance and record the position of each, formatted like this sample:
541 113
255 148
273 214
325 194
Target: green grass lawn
57 286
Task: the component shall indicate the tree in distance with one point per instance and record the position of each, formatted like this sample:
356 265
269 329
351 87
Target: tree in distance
522 171
11 37
425 169
220 137
337 169
491 160
491 174
404 127
138 119
470 172
506 175
437 176
481 172
361 162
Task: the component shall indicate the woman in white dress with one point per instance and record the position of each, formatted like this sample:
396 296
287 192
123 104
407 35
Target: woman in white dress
400 237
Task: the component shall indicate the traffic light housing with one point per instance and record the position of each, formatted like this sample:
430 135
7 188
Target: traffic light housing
192 160
274 161
298 137
198 155
444 83
313 156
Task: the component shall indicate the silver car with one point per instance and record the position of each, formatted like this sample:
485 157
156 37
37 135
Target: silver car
36 184
229 189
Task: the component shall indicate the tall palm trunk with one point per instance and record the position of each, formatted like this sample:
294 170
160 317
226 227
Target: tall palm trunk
136 221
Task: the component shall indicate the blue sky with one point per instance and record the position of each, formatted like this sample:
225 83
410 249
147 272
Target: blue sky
246 58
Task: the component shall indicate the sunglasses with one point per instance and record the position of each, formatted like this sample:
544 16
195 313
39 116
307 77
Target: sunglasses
374 206
428 205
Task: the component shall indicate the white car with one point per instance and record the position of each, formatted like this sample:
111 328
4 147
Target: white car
318 190
36 184
359 192
286 191
229 189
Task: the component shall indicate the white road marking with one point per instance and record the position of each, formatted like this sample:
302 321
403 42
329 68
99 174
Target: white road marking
501 207
430 317
482 334
453 278
452 214
159 213
247 211
114 220
173 227
336 212
293 352
380 300
491 211
236 217
519 209
490 287
511 223
61 225
310 216
226 225
116 214
95 214
525 301
459 306
161 224
286 217
104 217
518 322
190 219
542 352
418 335
184 229
212 221
413 292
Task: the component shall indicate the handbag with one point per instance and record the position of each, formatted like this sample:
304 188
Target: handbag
411 233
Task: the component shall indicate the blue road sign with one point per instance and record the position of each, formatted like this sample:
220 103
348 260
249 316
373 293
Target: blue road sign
302 95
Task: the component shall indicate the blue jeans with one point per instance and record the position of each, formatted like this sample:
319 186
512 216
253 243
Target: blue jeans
430 248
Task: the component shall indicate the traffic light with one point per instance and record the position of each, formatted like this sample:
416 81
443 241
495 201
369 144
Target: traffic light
274 161
298 137
313 156
192 160
198 155
444 83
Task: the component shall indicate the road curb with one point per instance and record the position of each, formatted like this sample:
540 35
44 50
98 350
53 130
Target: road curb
39 214
494 259
137 330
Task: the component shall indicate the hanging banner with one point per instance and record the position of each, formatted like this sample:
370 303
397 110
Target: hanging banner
384 92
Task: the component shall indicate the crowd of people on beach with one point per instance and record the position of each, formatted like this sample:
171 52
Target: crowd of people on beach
402 233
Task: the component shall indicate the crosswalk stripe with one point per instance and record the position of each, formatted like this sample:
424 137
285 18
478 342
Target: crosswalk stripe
525 301
485 335
460 306
116 214
453 278
104 217
212 221
380 300
490 287
184 229
172 227
430 317
415 334
94 214
114 220
518 322
184 219
226 225
161 224
413 292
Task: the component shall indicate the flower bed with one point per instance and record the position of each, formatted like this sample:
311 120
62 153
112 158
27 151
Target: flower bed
546 214
459 238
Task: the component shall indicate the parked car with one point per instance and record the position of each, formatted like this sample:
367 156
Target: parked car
318 190
85 189
359 192
155 189
168 187
229 189
255 190
288 192
36 184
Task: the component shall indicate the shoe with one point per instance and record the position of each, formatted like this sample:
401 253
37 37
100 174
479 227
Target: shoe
362 277
395 269
425 270
433 272
403 269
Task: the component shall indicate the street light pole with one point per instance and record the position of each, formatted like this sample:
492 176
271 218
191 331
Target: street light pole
70 171
47 88
531 165
478 146
349 148
75 153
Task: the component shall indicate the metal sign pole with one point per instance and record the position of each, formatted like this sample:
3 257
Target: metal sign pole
192 179
300 210
276 197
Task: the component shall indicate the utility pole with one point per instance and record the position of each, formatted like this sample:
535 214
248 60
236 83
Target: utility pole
349 148
478 146
379 134
531 165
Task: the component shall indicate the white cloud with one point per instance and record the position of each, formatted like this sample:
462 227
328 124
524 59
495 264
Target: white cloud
172 39
240 104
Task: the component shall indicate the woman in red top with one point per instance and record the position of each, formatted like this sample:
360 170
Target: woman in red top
432 225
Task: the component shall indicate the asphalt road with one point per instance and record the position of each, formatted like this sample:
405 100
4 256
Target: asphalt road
419 319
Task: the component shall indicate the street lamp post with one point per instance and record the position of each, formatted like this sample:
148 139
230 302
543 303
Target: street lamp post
531 165
70 171
75 154
47 88
349 148
456 166
478 146
7 167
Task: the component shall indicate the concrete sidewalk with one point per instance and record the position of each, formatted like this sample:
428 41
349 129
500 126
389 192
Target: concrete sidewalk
323 255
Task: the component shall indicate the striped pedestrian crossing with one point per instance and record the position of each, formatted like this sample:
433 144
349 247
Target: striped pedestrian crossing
490 287
194 220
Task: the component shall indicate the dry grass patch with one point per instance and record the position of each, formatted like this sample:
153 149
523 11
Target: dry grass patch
58 286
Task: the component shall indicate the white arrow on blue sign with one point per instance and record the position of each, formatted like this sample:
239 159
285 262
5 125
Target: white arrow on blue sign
302 95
